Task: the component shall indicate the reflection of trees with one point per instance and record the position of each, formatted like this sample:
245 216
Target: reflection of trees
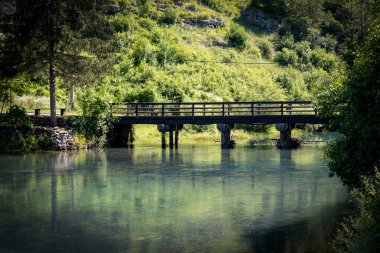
311 234
191 196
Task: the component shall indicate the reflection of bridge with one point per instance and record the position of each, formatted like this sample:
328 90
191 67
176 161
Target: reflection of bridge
170 117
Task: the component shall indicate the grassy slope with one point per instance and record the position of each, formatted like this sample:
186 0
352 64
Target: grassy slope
163 62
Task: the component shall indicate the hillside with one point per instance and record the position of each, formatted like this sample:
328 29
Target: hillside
199 51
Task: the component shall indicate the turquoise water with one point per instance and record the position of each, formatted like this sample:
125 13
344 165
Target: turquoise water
195 199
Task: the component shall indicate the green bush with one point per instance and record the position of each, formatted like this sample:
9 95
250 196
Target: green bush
147 24
17 143
237 37
142 51
213 4
122 23
303 51
95 123
360 233
266 49
169 17
144 96
286 57
284 41
17 117
172 92
299 27
321 59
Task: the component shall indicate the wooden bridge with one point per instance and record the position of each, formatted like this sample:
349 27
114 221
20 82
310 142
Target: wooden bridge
217 113
170 117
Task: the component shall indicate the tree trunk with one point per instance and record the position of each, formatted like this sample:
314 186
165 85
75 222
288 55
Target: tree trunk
72 102
52 84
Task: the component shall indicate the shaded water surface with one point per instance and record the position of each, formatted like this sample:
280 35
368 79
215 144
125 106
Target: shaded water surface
196 199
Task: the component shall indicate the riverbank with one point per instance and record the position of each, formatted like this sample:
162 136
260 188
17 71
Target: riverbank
148 134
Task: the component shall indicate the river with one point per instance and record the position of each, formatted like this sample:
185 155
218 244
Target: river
195 199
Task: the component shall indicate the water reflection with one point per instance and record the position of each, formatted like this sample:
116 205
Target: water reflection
145 199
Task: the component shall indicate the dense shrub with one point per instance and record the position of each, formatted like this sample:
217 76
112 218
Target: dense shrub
95 123
144 95
147 24
286 57
142 51
266 49
122 23
286 40
321 59
213 4
172 92
299 27
303 51
17 117
237 37
360 233
169 17
17 143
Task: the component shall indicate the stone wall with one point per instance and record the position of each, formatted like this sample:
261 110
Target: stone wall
62 138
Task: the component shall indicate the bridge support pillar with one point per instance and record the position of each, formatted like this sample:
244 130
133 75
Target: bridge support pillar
163 128
171 137
177 129
286 141
225 130
122 135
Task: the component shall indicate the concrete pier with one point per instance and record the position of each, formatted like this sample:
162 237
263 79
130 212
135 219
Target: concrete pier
163 129
173 130
225 130
286 141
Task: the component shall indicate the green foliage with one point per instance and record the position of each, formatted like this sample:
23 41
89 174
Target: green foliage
292 81
95 123
18 143
141 95
299 27
286 57
360 233
237 37
142 51
122 23
17 117
51 37
321 59
356 155
266 49
169 17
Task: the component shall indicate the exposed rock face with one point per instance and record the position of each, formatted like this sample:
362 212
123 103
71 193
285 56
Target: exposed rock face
219 43
260 19
209 23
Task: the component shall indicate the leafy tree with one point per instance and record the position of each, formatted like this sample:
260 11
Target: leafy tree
16 117
237 37
357 154
52 35
360 232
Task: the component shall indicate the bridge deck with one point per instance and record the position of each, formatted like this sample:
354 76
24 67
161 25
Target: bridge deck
217 112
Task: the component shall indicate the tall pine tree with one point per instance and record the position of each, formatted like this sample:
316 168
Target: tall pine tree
52 35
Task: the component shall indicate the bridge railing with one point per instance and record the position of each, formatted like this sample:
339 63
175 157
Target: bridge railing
207 109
